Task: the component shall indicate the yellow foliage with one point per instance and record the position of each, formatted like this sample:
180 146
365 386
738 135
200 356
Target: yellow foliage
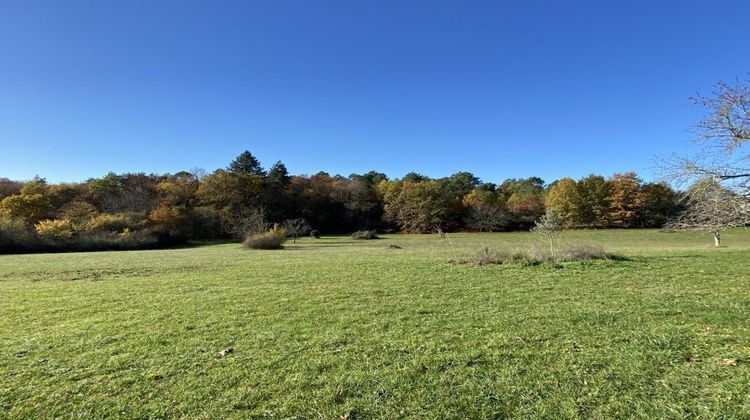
54 229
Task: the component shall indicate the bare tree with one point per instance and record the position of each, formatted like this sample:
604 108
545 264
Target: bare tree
245 222
722 135
712 208
485 217
720 171
550 226
295 228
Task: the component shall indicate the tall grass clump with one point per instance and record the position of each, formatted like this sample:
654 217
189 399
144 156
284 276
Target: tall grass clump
272 239
365 235
533 256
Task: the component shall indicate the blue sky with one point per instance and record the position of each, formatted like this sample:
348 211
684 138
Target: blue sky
501 89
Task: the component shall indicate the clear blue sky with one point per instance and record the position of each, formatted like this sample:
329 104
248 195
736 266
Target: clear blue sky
498 88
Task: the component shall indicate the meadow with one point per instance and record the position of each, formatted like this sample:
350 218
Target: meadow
338 328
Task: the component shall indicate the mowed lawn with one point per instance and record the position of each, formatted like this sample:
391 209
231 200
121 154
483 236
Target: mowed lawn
337 328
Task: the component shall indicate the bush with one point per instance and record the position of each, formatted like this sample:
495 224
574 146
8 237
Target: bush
315 234
54 230
109 223
14 235
78 212
365 235
273 239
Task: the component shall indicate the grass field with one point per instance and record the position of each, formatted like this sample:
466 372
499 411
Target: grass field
334 328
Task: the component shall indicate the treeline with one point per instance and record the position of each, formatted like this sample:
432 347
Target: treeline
137 210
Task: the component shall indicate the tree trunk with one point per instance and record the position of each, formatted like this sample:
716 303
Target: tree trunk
551 248
717 238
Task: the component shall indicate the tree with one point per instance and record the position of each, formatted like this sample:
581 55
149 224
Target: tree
625 199
724 133
415 177
525 207
484 211
278 174
712 208
246 164
563 199
31 205
8 187
659 202
593 192
31 208
418 207
550 226
295 228
178 189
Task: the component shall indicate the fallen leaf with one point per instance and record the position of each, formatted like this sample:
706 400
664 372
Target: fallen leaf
729 362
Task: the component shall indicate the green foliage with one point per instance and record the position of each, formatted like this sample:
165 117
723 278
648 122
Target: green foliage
278 174
246 164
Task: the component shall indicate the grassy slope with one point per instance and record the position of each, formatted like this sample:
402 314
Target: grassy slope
335 327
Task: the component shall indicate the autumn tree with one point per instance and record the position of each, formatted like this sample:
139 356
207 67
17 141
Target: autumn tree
419 207
484 211
9 187
593 192
563 199
31 205
31 208
625 199
178 189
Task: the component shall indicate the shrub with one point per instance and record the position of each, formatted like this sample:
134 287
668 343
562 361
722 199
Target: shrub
14 234
107 223
54 230
315 234
78 212
273 239
365 235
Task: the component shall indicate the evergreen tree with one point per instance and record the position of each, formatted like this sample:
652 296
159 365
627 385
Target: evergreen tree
246 164
279 174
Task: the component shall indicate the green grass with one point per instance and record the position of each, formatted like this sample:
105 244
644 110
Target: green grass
336 327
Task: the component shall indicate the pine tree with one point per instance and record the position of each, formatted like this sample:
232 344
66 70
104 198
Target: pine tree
279 174
246 164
